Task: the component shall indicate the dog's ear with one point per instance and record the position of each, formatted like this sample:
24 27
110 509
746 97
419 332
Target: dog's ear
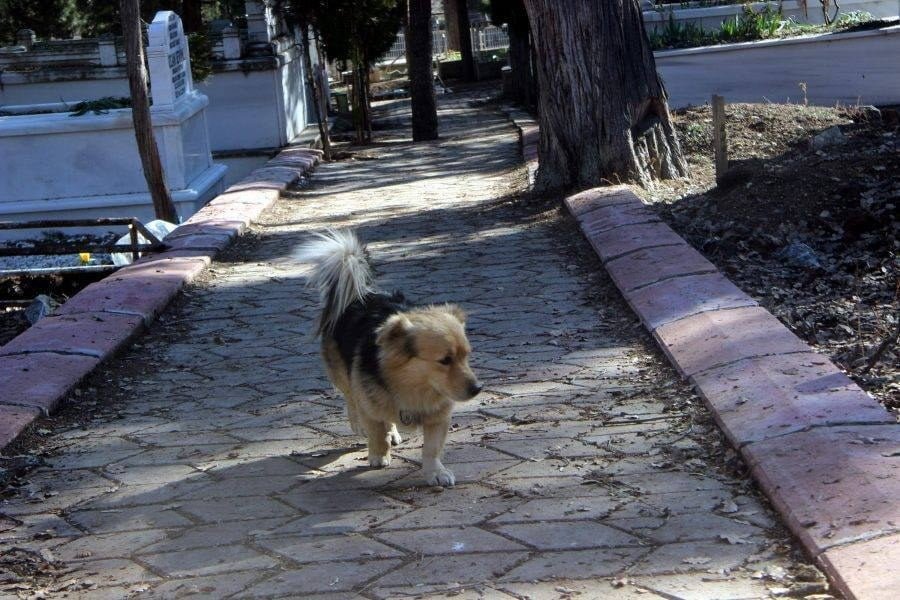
456 312
393 331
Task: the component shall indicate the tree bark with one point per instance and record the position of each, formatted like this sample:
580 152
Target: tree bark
523 84
192 15
421 76
451 22
603 109
140 112
465 40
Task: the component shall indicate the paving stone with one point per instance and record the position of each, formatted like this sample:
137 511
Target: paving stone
696 526
322 577
696 556
578 564
648 266
338 500
854 565
832 483
205 561
218 534
690 587
676 298
212 587
629 238
569 535
712 339
556 590
127 519
553 509
329 548
592 199
455 569
761 398
448 540
611 217
14 419
95 334
114 545
227 509
340 522
41 380
112 572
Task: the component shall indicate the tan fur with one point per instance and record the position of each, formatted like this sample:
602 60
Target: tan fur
411 345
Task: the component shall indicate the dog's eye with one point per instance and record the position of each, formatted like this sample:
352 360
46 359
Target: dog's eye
446 360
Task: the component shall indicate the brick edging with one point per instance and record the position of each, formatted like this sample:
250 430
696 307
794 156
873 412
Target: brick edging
825 452
40 367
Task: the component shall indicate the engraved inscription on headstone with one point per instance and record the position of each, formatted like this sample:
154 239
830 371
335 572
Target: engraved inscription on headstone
169 59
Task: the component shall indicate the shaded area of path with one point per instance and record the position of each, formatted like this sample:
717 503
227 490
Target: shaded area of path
214 459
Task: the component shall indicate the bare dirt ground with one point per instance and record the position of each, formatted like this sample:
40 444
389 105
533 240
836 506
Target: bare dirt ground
808 227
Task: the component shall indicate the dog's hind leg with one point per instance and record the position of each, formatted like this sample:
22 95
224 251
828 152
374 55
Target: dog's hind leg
396 438
432 449
379 442
353 416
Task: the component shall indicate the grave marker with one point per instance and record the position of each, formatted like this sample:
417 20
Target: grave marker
169 60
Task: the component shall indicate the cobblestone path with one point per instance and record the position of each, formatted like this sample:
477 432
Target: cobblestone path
213 459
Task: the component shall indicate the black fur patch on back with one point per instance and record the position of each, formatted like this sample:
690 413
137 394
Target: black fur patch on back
355 330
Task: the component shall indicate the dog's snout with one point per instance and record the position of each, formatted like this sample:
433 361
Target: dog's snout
475 388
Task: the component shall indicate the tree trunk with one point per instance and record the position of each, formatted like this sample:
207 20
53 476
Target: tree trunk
140 112
523 85
603 110
192 15
320 111
451 22
421 76
465 40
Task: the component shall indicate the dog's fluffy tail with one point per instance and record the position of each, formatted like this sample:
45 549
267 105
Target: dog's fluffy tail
341 274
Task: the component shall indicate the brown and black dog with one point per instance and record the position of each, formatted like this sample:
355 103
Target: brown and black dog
396 364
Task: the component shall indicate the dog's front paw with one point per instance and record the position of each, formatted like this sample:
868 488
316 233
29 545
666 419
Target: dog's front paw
380 460
440 476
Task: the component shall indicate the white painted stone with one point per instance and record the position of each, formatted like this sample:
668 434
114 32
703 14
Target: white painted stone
844 68
169 61
59 166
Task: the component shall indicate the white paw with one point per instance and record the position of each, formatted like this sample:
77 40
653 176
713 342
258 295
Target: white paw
440 476
379 461
396 438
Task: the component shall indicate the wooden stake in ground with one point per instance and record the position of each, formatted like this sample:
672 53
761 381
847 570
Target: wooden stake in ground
140 112
720 142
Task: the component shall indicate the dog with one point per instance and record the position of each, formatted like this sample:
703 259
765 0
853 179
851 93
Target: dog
394 363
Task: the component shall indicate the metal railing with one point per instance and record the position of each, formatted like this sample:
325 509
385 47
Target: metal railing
50 248
484 38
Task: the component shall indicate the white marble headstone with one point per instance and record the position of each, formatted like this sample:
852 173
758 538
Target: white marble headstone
169 60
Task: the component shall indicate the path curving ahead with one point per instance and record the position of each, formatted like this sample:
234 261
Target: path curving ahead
214 460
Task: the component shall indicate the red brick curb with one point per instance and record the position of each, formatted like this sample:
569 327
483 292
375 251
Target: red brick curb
40 367
826 454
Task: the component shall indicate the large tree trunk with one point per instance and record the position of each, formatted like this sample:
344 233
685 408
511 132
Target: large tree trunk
603 111
523 84
192 15
140 112
451 22
465 40
421 76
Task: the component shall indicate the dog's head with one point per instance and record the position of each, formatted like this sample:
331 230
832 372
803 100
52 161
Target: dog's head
427 349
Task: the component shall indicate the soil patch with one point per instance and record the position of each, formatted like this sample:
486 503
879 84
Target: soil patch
806 222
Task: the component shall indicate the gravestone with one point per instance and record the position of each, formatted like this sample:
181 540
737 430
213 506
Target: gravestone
169 60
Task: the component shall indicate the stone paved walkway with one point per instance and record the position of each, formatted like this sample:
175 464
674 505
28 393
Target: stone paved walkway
214 460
